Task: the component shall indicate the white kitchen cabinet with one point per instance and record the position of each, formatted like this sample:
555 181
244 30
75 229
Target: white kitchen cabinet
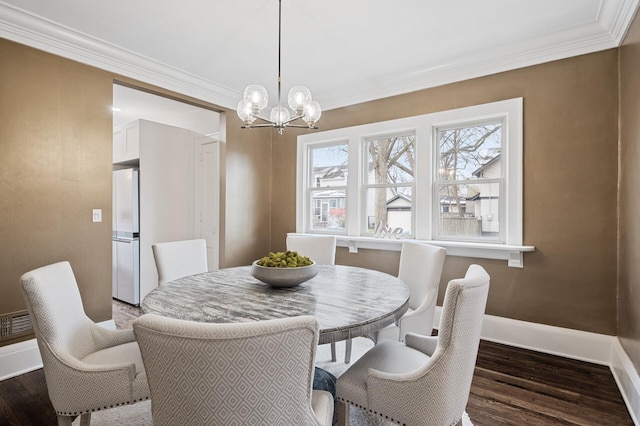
126 143
125 281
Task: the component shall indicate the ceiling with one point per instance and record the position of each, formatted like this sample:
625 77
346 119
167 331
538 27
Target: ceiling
130 105
346 52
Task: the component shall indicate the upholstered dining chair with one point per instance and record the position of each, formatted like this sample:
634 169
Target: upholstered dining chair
425 380
420 268
177 259
321 249
87 367
251 373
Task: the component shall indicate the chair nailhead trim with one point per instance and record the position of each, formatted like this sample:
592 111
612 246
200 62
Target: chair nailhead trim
371 411
79 413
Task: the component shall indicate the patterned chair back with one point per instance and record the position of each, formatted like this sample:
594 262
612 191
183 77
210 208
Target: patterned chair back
229 374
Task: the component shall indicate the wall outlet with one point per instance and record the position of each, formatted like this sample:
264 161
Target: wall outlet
97 215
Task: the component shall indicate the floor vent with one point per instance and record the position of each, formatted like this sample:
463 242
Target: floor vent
14 325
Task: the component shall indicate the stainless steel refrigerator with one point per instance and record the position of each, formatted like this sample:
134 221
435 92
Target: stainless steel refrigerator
125 241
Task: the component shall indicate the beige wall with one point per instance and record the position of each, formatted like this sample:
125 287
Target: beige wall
55 156
629 198
55 167
570 186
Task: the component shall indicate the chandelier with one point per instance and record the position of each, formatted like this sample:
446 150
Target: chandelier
255 99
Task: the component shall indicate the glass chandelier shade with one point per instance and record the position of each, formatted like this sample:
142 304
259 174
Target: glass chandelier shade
255 99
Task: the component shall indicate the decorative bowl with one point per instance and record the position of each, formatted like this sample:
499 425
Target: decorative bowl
283 277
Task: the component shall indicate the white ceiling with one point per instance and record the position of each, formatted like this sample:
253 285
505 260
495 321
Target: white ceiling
134 104
345 51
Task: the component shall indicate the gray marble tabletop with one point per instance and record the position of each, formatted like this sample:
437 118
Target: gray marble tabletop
347 301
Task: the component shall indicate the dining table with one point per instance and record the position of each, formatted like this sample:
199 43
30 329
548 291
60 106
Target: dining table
347 301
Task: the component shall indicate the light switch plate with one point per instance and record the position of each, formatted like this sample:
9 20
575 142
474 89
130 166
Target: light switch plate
97 215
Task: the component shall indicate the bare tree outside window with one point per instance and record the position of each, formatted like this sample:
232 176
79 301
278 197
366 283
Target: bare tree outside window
390 177
452 176
469 181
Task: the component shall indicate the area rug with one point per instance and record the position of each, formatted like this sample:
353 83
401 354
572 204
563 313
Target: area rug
140 414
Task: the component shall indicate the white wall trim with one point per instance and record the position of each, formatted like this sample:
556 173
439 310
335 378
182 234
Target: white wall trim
29 29
23 357
580 345
627 379
605 31
564 342
19 358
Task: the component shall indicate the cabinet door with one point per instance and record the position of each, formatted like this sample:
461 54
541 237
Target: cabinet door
132 141
126 142
118 145
114 269
128 272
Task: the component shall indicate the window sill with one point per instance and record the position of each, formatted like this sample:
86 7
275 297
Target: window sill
511 253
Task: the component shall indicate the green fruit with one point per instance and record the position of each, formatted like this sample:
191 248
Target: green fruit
285 259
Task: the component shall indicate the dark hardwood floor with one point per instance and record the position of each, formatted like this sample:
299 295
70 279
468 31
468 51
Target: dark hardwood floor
511 386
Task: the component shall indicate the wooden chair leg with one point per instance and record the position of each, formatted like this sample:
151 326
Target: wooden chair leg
65 420
343 413
347 351
85 419
333 352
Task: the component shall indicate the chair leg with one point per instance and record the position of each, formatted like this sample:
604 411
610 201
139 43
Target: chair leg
65 420
333 352
85 419
343 413
347 351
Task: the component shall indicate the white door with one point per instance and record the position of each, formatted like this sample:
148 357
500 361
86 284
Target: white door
208 197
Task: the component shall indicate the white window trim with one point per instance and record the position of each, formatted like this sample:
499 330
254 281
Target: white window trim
512 250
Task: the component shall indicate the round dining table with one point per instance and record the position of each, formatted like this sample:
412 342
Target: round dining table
347 301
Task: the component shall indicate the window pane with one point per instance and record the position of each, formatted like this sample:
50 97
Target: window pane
328 210
470 212
390 207
470 152
329 165
391 159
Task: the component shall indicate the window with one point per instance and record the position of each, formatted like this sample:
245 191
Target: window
451 178
389 163
327 193
469 182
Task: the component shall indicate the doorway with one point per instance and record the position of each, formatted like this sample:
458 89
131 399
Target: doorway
131 104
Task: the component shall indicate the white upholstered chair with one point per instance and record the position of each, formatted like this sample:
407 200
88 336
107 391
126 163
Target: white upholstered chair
87 367
321 249
425 380
420 268
177 259
253 373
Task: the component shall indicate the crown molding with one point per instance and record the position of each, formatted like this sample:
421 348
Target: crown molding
34 31
606 31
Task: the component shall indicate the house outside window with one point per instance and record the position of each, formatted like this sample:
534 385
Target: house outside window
389 163
469 182
452 178
327 193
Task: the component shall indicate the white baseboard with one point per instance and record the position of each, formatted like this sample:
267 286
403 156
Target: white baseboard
565 342
627 379
581 345
23 357
19 358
